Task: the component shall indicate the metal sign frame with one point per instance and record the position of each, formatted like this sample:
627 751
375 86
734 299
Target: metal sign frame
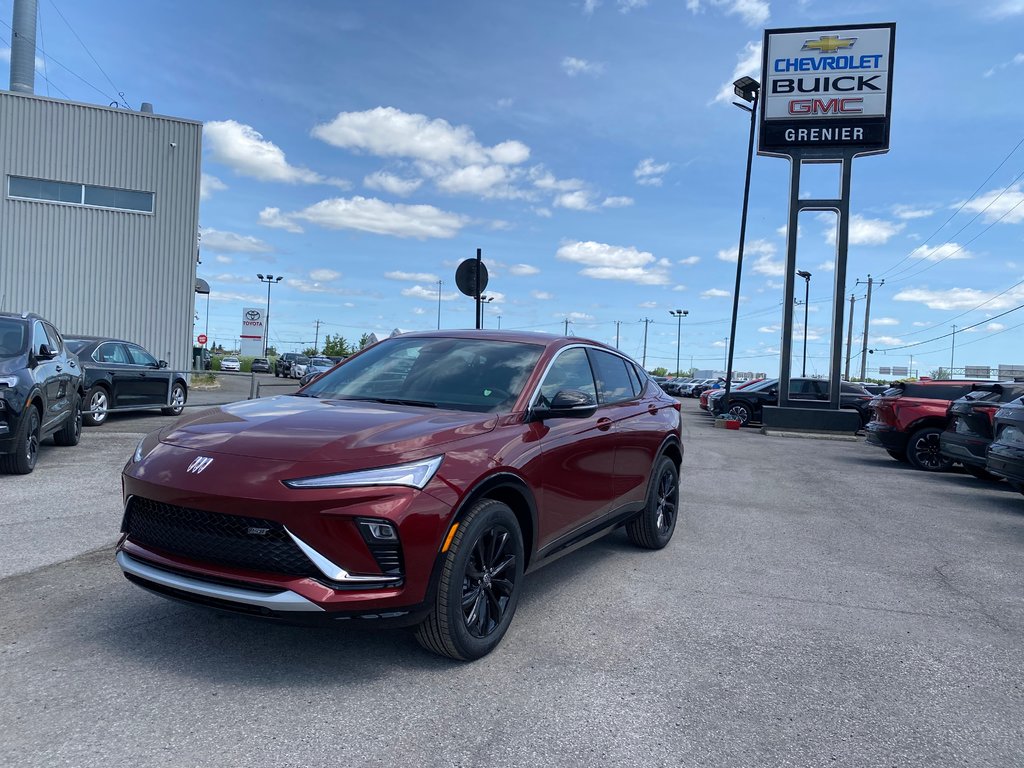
822 153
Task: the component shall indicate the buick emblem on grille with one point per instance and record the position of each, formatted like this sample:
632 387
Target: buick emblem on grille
257 531
199 464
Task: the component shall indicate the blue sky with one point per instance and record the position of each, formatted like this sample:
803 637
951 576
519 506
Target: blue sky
363 149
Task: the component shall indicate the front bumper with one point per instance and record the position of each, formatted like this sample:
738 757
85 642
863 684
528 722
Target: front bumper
885 436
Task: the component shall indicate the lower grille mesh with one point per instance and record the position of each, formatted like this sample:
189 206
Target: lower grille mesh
242 542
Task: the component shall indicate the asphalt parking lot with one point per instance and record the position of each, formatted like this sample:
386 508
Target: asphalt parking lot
820 604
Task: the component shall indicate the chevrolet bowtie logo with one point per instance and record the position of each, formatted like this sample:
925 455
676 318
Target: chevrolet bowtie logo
829 43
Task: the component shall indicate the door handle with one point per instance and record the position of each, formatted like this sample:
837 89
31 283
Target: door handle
60 368
604 424
652 409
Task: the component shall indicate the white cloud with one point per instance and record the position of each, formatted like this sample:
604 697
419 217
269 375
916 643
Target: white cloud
208 184
748 64
388 182
961 298
613 262
679 287
412 277
617 202
715 293
770 328
305 286
886 341
389 132
1015 61
419 311
650 173
224 259
884 321
483 180
999 205
648 304
577 317
324 275
541 295
720 344
941 252
544 213
1008 8
689 261
420 292
863 231
544 179
625 6
993 327
272 218
753 12
372 215
920 324
575 201
590 5
758 254
521 270
826 266
910 212
573 66
243 149
229 242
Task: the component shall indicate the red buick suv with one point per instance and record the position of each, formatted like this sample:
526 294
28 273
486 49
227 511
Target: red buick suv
413 484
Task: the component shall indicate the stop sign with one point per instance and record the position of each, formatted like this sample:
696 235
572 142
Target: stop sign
202 338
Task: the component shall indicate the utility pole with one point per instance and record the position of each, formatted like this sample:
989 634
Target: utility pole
566 331
439 304
849 337
617 324
316 344
952 351
867 322
646 322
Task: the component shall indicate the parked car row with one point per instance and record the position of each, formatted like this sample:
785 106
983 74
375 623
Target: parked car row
51 384
747 401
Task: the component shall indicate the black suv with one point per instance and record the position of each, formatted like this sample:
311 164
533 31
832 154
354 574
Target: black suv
970 421
40 391
283 364
746 404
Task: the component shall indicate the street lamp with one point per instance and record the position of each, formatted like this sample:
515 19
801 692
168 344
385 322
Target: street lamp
807 294
484 301
748 89
269 280
679 314
439 305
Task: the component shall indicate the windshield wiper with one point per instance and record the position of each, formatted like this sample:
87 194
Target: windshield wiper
391 401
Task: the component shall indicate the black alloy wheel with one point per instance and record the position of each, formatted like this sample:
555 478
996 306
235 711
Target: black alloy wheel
26 448
71 432
654 527
479 585
740 412
924 453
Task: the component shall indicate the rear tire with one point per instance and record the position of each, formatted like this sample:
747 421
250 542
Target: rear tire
740 412
923 451
654 527
479 585
26 447
97 406
71 432
178 397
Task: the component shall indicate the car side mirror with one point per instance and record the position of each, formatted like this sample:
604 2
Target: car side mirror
45 353
773 392
567 404
162 364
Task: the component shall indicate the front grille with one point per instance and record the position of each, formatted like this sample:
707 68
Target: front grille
389 559
216 538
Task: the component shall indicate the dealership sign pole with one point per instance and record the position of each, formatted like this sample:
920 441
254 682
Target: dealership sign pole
826 98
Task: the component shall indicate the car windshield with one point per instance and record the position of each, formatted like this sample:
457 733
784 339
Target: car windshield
12 337
458 374
301 360
230 359
320 362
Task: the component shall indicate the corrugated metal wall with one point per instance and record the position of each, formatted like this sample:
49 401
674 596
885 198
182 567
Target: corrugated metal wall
96 271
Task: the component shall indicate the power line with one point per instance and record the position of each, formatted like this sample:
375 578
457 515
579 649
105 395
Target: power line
966 312
947 335
86 48
48 81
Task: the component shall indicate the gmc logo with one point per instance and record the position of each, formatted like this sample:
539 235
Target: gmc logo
850 105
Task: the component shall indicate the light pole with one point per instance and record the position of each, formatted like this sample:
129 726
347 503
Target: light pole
807 293
499 322
439 305
748 89
679 314
269 280
484 301
952 352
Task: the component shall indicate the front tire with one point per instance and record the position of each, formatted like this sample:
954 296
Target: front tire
479 585
71 432
740 412
26 447
97 406
923 451
654 527
177 401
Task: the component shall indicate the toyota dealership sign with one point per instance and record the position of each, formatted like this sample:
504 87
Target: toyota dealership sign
827 90
254 328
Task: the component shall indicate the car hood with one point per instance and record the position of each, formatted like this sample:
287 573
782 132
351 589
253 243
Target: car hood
11 364
292 428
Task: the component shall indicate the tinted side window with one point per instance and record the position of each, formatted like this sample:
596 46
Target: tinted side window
613 383
56 343
634 378
140 356
111 352
571 370
38 337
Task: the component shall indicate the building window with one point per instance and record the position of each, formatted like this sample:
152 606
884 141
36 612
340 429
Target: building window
79 194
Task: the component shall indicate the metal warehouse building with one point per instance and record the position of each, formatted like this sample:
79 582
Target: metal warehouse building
98 220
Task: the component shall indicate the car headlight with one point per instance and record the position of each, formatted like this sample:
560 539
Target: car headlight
414 475
8 381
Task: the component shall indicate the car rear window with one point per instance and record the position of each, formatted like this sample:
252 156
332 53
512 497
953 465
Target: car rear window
930 391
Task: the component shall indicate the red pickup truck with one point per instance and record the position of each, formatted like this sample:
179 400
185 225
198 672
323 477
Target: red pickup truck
909 418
